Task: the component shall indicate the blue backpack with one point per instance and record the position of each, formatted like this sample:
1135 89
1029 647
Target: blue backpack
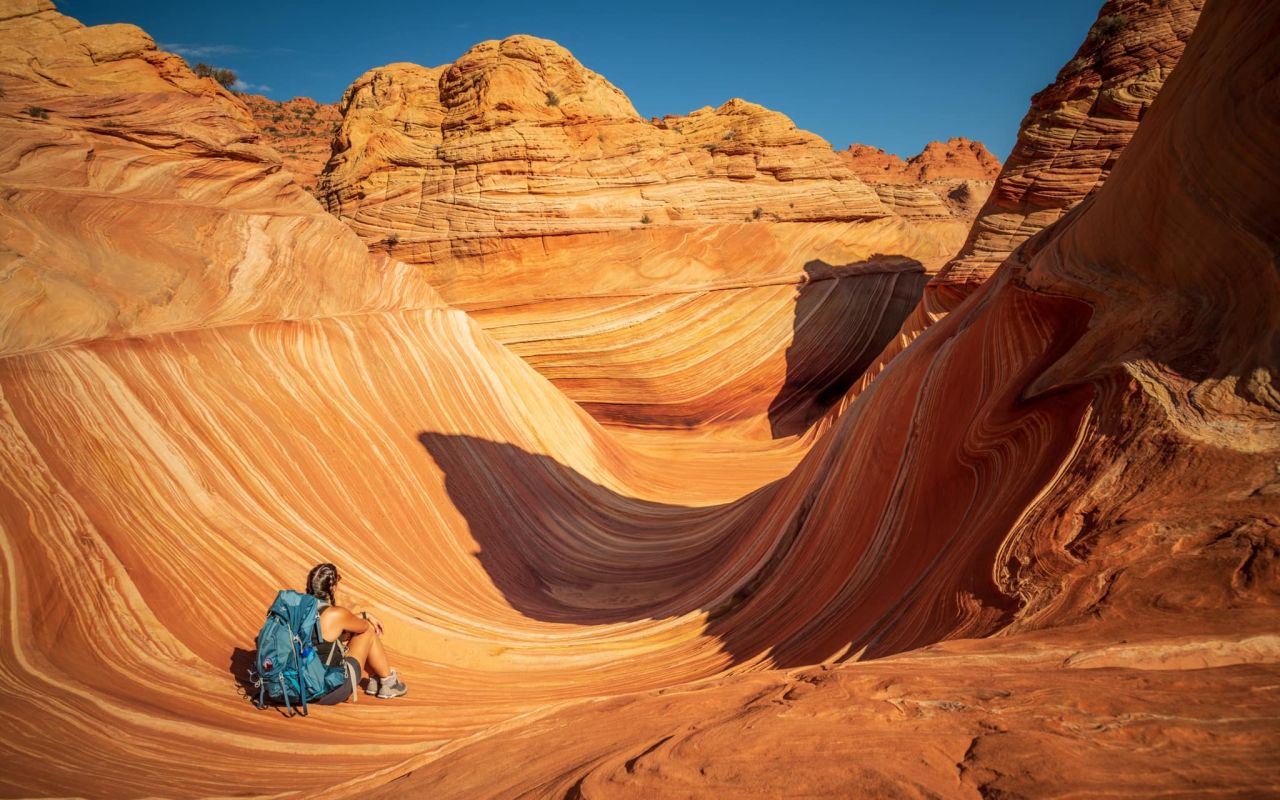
289 671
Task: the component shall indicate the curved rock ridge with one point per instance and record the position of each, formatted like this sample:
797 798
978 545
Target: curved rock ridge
512 176
1074 470
782 352
139 199
301 131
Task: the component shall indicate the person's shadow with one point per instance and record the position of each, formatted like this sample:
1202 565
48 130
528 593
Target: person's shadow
844 316
243 663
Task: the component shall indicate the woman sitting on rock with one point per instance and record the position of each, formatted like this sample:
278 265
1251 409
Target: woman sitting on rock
355 638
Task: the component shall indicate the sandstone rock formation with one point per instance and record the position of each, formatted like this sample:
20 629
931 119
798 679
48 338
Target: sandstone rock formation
1077 127
301 131
1036 556
518 140
1152 550
946 179
102 138
512 176
1068 142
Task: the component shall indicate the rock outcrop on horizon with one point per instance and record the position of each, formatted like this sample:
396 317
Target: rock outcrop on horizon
514 175
951 178
1037 556
518 140
301 131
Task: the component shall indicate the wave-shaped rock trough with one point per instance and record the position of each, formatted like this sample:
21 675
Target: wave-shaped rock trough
1082 453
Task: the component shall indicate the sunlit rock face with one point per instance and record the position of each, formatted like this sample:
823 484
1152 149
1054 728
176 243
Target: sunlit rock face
1035 556
517 139
532 194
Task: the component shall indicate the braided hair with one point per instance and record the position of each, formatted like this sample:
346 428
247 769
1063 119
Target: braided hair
321 580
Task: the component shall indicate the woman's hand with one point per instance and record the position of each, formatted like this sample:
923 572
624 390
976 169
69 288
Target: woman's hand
372 620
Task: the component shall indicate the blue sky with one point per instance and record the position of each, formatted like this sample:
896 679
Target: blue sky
894 73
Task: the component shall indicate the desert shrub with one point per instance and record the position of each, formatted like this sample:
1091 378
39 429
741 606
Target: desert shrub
392 239
36 112
731 134
645 220
271 129
1107 27
222 75
553 99
757 212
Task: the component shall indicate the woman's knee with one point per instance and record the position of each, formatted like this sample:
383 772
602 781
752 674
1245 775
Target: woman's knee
360 644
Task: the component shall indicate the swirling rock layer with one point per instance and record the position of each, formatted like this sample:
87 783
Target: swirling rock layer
139 199
1071 474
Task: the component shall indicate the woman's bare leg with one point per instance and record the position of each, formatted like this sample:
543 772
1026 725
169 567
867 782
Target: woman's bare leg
367 649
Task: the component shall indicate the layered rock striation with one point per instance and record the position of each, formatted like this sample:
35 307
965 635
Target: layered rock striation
1068 142
1077 127
517 140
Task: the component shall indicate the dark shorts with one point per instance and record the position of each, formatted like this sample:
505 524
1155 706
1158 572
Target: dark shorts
340 694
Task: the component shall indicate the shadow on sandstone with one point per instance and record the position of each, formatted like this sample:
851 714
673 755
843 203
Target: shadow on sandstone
564 549
844 316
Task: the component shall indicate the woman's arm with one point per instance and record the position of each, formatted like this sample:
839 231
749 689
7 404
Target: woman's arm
350 622
372 620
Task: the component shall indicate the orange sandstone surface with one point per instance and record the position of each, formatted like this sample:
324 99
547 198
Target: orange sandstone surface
1035 556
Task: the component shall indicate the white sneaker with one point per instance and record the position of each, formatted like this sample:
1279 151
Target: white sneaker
391 686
